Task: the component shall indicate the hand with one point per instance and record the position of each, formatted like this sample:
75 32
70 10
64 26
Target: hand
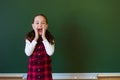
36 32
44 32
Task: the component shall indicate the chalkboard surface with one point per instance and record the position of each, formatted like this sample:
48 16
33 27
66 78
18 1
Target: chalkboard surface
87 34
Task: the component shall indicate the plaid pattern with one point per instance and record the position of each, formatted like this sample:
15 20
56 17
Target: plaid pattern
39 66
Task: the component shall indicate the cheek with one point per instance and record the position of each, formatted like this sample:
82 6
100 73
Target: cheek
35 25
45 26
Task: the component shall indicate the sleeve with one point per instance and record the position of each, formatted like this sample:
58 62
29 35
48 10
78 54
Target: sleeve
48 47
29 47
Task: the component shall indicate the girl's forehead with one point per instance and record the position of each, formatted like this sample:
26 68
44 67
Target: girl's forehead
39 18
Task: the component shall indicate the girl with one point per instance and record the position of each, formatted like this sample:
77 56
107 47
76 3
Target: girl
39 47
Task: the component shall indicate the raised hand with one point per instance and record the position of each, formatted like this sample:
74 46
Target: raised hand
36 32
44 32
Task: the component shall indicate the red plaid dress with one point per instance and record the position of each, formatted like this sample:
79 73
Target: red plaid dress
39 66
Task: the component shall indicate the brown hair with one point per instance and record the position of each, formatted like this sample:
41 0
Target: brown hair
30 35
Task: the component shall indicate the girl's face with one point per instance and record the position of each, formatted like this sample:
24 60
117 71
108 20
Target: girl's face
40 24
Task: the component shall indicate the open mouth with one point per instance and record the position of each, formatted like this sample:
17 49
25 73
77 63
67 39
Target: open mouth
39 30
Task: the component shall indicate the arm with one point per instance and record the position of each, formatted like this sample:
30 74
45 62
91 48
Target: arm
48 47
29 47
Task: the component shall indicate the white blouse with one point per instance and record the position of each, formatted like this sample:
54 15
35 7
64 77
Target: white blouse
30 46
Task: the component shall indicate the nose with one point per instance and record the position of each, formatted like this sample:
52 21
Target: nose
39 26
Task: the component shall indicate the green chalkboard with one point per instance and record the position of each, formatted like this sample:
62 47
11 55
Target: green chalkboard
87 34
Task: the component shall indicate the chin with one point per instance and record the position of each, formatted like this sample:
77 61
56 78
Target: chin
40 34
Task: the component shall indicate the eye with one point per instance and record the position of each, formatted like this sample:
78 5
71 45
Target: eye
43 23
37 23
